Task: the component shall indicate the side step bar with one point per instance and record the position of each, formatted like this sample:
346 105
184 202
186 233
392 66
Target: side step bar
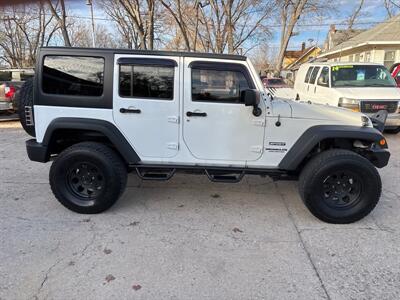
228 178
155 174
215 174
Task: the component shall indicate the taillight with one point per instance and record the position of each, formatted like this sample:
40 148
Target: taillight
9 91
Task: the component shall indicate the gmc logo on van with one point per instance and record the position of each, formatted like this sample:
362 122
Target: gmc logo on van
379 106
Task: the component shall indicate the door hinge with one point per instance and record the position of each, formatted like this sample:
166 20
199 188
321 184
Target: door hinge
173 119
173 146
256 149
259 123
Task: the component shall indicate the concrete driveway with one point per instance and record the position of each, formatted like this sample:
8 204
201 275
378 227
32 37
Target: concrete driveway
189 238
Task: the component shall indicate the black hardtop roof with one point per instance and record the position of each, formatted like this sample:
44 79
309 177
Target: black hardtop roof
78 50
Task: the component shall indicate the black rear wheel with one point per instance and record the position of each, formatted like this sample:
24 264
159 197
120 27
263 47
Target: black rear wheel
88 177
340 186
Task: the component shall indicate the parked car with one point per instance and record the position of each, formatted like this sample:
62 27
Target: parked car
395 71
10 82
100 113
276 83
361 87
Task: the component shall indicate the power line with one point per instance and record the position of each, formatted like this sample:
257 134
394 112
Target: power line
273 25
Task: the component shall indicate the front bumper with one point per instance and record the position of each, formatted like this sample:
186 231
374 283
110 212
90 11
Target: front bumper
36 151
6 105
393 120
379 157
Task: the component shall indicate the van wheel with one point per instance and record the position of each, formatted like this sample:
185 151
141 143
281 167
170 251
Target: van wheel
25 98
297 97
393 130
340 186
88 177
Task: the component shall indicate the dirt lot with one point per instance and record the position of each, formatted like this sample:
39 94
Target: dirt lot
189 238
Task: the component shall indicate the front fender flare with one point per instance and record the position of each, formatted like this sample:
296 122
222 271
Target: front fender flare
313 135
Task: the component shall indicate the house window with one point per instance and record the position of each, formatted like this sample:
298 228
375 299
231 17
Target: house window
389 58
367 56
357 57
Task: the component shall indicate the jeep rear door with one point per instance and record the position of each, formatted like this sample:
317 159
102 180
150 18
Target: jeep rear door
146 103
216 124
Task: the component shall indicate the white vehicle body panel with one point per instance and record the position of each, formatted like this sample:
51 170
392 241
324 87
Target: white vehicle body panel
230 135
155 130
230 131
46 114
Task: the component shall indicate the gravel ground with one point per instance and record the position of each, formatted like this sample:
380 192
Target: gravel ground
189 238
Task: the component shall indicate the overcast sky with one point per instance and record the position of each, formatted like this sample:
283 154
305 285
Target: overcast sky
315 29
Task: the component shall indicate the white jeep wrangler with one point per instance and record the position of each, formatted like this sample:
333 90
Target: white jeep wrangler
101 113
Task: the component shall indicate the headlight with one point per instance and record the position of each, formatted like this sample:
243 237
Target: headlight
348 103
366 122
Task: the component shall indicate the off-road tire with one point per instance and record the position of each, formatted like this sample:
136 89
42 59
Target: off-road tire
25 98
314 178
112 178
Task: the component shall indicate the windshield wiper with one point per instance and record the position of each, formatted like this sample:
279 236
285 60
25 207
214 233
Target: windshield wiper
381 85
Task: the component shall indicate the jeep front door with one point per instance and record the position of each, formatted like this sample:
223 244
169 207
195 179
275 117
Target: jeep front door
146 103
216 124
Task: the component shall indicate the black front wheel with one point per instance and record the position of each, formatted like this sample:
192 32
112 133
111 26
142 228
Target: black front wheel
88 177
340 186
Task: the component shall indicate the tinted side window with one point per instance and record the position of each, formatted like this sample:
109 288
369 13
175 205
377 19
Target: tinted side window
308 74
218 85
155 82
323 78
73 75
314 75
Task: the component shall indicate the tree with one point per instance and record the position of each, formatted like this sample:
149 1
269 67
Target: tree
220 25
81 35
290 12
392 7
134 20
175 8
23 30
59 13
355 14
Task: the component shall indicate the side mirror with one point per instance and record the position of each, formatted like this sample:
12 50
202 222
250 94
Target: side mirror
252 98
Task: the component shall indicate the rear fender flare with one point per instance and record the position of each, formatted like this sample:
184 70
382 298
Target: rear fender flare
108 129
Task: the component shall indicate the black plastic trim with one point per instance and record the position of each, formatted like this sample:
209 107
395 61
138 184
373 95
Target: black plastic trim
379 157
36 151
103 101
104 127
312 136
147 61
201 169
145 52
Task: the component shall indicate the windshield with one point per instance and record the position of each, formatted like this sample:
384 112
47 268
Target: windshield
361 76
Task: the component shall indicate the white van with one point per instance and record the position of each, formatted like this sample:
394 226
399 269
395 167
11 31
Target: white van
364 87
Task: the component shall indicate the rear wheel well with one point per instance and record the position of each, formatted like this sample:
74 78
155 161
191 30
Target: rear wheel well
64 138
